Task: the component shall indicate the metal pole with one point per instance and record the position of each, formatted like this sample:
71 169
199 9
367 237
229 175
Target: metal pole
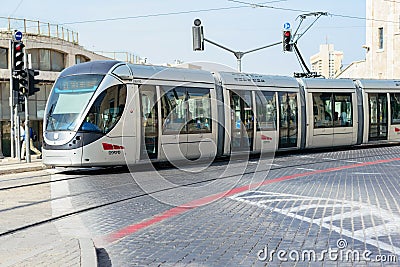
239 54
17 132
27 133
11 99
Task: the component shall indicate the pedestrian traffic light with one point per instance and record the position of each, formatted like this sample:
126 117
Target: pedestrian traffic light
198 37
18 57
32 81
287 37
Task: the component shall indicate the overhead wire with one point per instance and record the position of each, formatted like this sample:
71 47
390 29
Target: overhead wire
244 5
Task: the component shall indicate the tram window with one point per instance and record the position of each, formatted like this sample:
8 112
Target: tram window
322 109
266 111
395 104
343 115
106 110
173 110
122 71
199 107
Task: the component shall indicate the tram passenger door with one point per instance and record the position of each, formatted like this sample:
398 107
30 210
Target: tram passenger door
149 122
242 121
199 123
288 120
174 112
378 117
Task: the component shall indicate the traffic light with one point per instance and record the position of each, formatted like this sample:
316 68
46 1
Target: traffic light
198 36
23 81
287 37
32 81
18 57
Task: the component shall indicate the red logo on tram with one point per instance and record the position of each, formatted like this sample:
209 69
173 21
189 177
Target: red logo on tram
267 138
107 146
396 130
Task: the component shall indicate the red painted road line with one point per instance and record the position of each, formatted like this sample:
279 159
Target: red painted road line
113 237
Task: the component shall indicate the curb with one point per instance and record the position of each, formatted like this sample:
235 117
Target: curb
21 169
88 252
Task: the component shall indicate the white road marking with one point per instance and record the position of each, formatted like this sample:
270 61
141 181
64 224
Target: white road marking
305 169
390 223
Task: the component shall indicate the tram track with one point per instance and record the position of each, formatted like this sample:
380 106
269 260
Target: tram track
139 195
124 169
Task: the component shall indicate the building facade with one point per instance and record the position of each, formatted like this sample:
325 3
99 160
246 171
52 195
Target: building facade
51 49
382 44
327 62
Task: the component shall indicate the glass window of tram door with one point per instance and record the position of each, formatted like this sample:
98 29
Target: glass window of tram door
377 116
266 111
242 120
149 121
288 119
186 110
395 107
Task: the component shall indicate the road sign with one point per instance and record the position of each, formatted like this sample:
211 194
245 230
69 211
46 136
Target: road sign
18 35
286 26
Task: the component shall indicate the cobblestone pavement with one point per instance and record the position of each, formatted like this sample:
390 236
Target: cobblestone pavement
327 208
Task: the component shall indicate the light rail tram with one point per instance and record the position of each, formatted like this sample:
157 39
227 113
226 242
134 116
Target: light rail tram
105 113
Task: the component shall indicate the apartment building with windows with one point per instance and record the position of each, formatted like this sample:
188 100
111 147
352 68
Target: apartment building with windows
327 62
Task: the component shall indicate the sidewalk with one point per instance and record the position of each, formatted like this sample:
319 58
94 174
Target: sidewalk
42 245
13 165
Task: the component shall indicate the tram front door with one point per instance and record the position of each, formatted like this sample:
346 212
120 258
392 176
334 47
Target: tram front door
378 117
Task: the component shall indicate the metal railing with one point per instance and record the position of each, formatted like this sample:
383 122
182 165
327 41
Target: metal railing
123 56
35 27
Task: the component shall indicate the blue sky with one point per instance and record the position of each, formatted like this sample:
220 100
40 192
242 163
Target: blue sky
237 25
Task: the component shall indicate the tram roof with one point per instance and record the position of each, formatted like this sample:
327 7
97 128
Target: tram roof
91 67
170 73
251 79
379 84
320 83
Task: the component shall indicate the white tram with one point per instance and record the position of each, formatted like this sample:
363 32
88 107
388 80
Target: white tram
111 113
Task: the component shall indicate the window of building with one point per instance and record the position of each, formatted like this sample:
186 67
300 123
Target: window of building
332 110
395 104
3 58
81 59
380 34
266 111
47 59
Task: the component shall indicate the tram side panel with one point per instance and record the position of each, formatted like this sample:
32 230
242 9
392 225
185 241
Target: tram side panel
188 122
332 114
381 110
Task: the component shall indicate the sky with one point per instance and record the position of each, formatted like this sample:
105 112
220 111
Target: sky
160 30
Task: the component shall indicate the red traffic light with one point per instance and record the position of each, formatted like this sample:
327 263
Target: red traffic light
19 47
286 33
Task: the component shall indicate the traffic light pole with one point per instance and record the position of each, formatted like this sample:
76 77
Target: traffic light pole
198 44
27 132
239 55
12 131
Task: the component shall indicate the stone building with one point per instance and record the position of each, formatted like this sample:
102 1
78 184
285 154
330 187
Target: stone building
382 44
51 48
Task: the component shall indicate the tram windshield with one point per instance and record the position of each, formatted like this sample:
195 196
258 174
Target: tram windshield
68 100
